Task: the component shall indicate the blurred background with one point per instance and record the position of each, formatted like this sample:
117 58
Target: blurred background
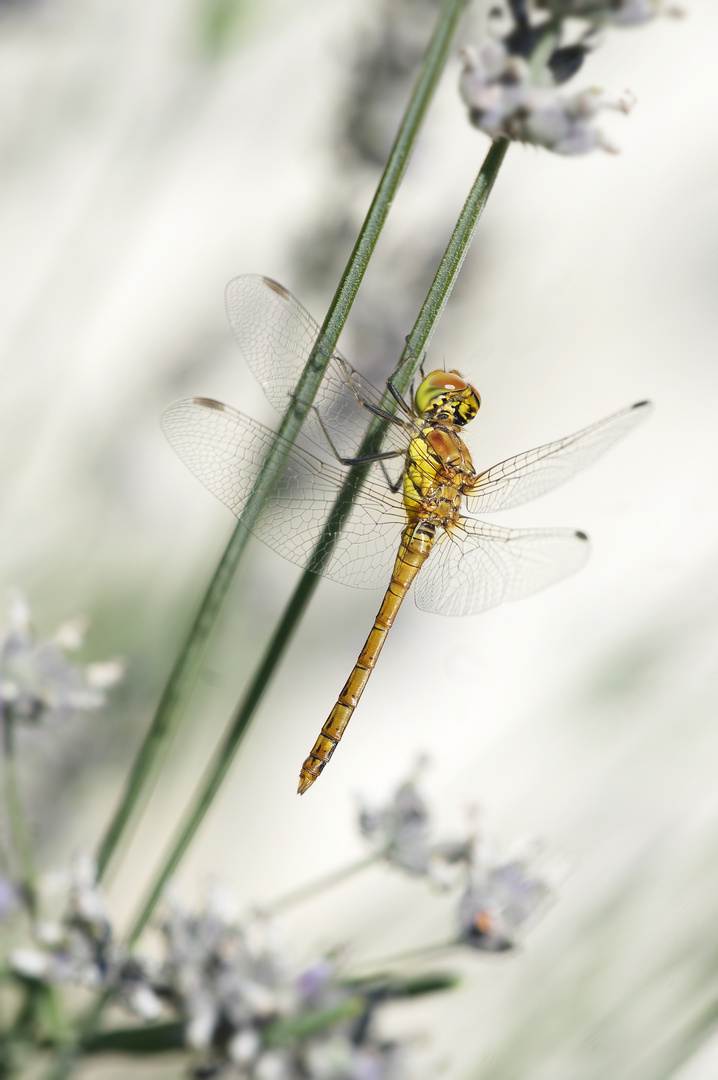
149 153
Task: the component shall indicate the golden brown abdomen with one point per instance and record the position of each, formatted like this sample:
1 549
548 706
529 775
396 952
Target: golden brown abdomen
416 542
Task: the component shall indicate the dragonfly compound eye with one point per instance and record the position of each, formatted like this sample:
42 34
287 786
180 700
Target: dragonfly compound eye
447 388
468 406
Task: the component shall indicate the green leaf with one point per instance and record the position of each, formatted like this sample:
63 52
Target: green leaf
146 1039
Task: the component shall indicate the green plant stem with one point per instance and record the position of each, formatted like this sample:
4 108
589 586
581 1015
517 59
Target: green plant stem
420 953
549 39
431 310
306 892
156 743
16 817
69 1055
456 251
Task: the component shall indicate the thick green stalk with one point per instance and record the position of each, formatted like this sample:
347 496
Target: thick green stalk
431 310
181 679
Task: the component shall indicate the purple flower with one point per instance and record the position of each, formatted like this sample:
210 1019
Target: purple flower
38 681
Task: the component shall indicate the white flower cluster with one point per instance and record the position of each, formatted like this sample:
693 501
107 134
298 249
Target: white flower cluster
226 980
401 833
225 989
221 986
80 949
230 982
501 897
512 84
501 900
38 681
504 100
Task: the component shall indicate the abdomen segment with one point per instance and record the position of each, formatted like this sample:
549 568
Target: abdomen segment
416 543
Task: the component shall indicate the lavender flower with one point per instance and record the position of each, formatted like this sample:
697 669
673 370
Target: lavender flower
401 832
38 681
242 1008
501 901
231 983
504 100
511 84
80 949
226 980
400 829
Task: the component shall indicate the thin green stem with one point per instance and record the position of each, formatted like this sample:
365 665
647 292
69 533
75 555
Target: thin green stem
16 816
430 312
218 767
422 952
456 251
17 1040
69 1054
543 51
156 744
306 892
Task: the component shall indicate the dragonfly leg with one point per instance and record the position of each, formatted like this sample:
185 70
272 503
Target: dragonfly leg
384 414
410 356
396 393
391 381
394 485
364 459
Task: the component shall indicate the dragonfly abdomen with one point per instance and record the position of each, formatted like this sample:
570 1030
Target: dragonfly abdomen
416 543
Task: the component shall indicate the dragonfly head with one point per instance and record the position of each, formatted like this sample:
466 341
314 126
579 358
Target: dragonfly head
445 397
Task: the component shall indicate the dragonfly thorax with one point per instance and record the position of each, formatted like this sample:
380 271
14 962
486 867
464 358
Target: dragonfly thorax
445 398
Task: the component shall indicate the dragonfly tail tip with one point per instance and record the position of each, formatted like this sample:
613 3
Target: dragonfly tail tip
305 782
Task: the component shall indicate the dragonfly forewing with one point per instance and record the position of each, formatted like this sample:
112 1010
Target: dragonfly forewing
276 335
524 477
225 450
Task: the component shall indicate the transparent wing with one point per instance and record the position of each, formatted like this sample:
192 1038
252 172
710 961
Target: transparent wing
534 472
275 335
476 566
225 450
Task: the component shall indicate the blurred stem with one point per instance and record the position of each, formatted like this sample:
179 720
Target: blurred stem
306 892
16 816
69 1055
313 1023
156 743
430 312
543 51
420 953
18 1040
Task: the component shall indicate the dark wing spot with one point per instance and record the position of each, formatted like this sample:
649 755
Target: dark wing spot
641 404
209 403
581 535
275 286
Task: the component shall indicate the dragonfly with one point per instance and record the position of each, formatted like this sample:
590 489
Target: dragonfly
408 523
